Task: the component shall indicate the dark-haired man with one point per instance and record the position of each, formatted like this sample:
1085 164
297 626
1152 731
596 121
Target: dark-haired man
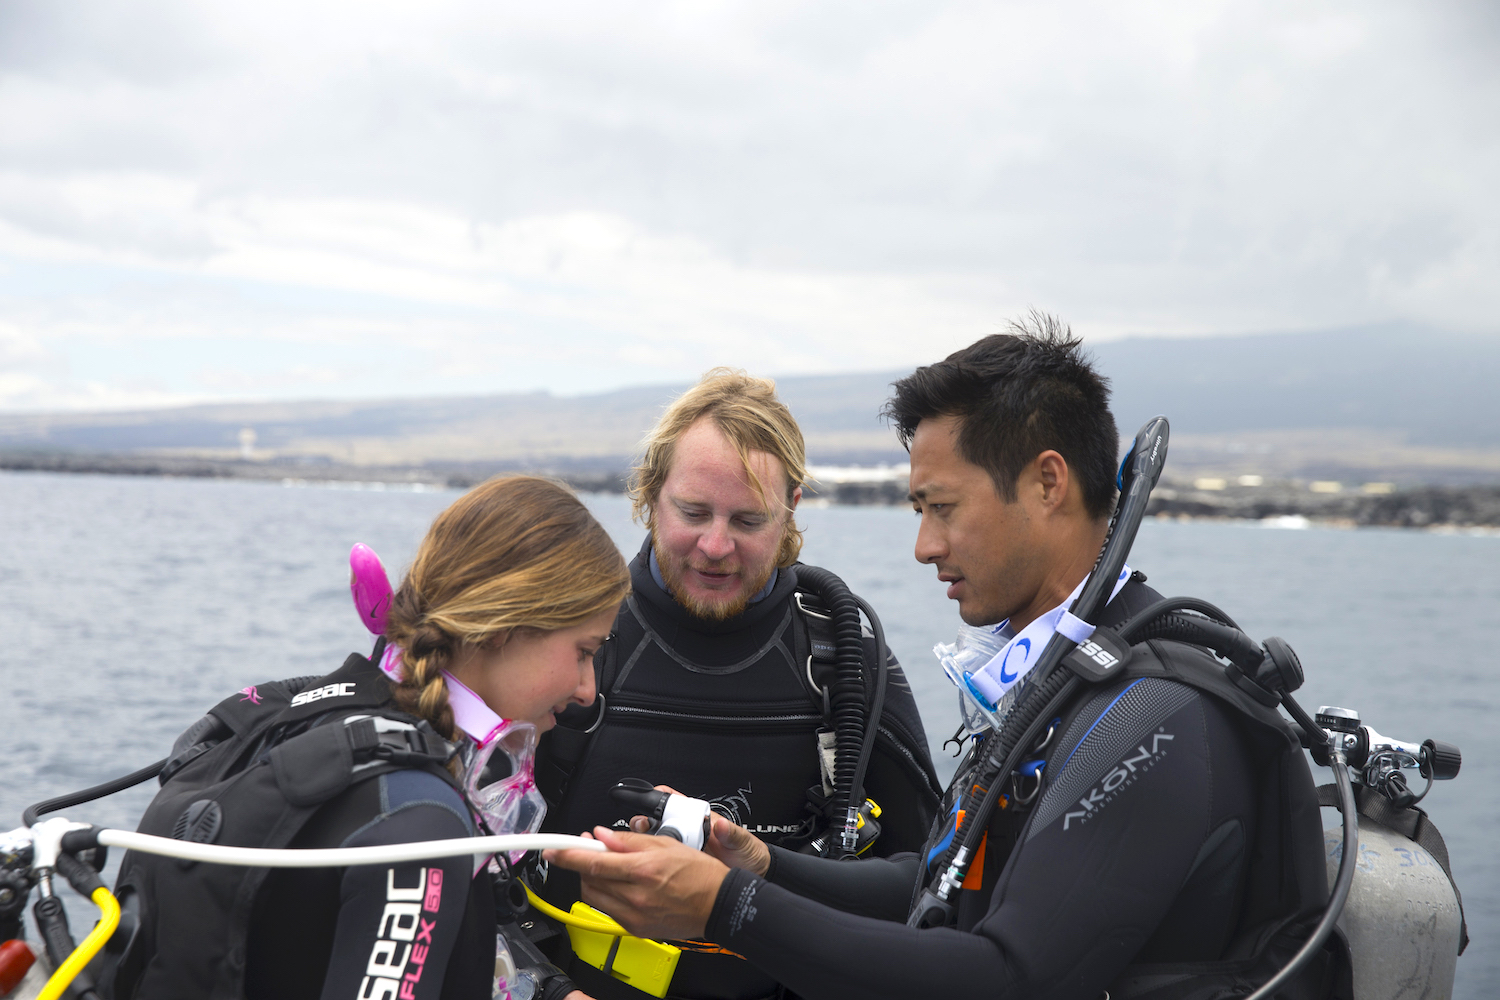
1139 846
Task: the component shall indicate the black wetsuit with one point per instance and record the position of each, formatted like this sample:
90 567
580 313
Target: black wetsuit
723 711
1137 850
336 932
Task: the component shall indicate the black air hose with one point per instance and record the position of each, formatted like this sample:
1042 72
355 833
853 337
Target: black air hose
1231 643
847 692
1151 612
34 812
875 711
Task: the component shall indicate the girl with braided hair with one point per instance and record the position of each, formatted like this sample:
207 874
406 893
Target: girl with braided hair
509 583
497 621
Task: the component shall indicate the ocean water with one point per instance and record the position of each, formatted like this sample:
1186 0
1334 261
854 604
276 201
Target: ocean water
128 606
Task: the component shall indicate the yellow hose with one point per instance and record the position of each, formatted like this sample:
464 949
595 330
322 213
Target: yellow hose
109 919
598 926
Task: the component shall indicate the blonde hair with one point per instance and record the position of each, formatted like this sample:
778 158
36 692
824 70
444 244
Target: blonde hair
516 552
747 412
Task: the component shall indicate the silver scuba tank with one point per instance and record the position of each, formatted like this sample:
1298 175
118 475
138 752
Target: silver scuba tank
1401 920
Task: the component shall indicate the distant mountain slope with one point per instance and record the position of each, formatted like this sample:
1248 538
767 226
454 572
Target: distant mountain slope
838 414
1434 387
1342 397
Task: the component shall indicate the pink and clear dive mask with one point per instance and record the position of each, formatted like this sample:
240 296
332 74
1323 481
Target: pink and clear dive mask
505 799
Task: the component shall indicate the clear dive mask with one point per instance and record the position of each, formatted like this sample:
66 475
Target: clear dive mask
974 647
991 666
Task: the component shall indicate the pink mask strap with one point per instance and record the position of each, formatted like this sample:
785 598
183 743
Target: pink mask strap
471 714
390 662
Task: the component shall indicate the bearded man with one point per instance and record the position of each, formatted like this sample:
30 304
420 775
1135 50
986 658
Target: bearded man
721 677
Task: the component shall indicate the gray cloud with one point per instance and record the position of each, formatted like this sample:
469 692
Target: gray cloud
1189 167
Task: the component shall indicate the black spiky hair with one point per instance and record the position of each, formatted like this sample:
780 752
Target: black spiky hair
1017 394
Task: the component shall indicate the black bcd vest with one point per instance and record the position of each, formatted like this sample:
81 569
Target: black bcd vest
742 734
1287 885
666 718
251 774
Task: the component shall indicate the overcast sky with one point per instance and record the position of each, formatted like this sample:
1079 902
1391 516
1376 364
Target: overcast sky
204 201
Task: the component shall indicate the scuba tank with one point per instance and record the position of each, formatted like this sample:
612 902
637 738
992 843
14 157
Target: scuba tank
1404 920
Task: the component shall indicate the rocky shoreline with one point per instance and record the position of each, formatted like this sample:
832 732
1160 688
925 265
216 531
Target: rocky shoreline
438 476
1325 503
1418 506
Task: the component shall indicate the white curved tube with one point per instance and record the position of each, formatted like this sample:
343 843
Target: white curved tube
341 857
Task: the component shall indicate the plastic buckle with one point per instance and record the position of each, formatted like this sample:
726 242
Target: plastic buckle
932 911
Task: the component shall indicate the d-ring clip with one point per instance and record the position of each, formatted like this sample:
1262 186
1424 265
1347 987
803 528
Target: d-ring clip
598 719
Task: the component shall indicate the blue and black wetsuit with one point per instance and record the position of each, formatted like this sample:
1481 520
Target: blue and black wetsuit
1136 851
1173 847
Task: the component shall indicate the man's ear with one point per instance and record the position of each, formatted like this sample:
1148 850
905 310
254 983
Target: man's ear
1055 477
796 497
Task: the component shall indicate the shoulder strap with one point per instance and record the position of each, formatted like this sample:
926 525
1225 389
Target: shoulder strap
314 766
1412 823
1133 597
814 647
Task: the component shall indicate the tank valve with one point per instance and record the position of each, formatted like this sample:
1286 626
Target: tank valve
1340 720
1440 761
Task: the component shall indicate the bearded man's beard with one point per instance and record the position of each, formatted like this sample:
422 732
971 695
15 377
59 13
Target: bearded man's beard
672 573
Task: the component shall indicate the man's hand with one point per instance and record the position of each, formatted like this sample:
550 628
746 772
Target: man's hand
731 844
656 887
737 847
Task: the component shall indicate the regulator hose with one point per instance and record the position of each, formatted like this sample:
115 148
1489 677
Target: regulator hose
109 919
613 927
1130 631
1230 643
1350 850
847 699
332 857
877 703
